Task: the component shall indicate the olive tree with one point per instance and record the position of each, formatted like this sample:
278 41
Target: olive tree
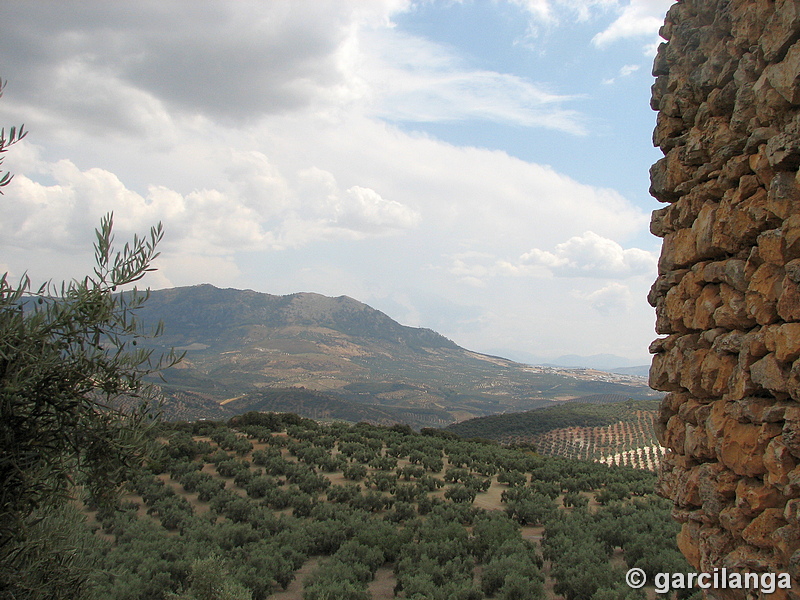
74 407
15 134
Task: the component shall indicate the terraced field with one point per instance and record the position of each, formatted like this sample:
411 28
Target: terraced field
629 443
282 507
617 433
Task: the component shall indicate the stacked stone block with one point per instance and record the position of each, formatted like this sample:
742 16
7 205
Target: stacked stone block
727 297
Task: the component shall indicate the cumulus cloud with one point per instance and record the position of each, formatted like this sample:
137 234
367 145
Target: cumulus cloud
363 209
473 268
255 208
587 256
257 182
263 133
326 211
612 300
591 255
232 60
59 215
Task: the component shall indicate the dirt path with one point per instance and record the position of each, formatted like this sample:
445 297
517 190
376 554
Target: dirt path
382 587
490 499
295 589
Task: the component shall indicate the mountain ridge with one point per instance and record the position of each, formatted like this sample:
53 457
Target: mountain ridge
300 308
241 344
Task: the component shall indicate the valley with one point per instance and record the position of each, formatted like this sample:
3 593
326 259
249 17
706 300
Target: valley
337 358
278 506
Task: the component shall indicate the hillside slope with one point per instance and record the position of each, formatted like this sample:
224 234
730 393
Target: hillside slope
620 432
240 343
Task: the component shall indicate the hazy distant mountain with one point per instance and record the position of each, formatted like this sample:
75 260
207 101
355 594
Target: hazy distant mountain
601 362
244 347
520 356
638 371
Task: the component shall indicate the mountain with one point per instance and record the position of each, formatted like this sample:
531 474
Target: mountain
639 371
206 315
601 362
350 361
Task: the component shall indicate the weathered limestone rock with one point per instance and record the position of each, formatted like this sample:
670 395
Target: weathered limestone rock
785 75
752 497
727 298
778 462
787 342
689 542
768 374
763 292
761 530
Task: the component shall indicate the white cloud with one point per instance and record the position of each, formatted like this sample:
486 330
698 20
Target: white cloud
540 10
473 268
255 208
265 145
628 70
237 62
257 182
232 61
635 18
552 12
592 255
615 299
639 18
415 80
363 209
587 256
323 211
59 215
625 71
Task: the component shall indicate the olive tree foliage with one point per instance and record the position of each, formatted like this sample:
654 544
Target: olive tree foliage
73 404
15 134
56 560
209 580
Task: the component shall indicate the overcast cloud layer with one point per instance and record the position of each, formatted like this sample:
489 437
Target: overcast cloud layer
290 146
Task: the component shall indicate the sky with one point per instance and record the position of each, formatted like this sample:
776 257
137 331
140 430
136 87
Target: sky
479 168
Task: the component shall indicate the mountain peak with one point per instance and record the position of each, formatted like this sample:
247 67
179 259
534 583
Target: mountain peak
329 356
206 311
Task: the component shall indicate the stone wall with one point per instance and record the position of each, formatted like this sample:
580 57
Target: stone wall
727 297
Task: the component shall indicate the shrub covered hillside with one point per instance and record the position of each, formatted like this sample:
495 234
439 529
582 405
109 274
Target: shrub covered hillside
283 507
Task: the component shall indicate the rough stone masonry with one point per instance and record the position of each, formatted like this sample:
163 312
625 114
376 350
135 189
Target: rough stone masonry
727 297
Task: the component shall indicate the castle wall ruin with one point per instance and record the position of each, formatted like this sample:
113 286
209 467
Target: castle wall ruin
727 297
